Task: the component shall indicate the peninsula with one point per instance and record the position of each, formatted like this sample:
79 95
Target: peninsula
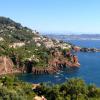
23 50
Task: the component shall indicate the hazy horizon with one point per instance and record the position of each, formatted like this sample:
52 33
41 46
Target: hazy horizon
69 33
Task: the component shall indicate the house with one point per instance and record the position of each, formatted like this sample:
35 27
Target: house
19 44
32 58
38 44
57 41
49 44
63 45
37 39
1 39
45 39
11 27
35 32
39 98
1 31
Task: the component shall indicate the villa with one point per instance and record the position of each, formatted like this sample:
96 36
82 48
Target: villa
49 44
1 39
14 45
37 39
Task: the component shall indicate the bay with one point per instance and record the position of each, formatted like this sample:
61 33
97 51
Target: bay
89 69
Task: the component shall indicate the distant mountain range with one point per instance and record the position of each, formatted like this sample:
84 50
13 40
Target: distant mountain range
75 36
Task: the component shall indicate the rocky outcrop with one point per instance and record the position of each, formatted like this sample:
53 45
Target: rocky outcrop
89 50
84 49
55 66
7 66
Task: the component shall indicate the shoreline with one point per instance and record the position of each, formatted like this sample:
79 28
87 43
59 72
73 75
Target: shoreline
46 70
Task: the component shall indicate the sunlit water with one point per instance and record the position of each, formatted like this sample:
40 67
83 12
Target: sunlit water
89 69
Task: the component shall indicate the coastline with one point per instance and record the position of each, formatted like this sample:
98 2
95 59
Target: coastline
55 65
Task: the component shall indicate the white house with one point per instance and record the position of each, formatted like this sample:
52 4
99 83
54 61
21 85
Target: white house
19 44
1 39
36 39
49 44
38 44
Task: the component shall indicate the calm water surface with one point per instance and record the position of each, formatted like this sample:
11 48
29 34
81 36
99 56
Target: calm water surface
89 69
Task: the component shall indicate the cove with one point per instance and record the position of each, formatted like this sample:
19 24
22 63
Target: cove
89 69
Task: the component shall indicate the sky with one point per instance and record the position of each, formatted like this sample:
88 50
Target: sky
54 15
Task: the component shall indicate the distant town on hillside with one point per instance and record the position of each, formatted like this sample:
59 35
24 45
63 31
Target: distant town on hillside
75 36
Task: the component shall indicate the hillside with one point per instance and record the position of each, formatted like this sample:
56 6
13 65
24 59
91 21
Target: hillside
14 32
28 49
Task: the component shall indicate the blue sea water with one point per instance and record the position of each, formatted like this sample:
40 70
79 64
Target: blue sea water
89 69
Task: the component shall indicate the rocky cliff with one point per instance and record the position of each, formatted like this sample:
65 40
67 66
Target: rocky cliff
6 65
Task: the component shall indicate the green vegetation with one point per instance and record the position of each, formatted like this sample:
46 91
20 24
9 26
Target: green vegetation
73 89
13 89
13 32
40 54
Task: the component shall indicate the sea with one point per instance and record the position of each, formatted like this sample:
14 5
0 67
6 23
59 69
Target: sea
89 70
